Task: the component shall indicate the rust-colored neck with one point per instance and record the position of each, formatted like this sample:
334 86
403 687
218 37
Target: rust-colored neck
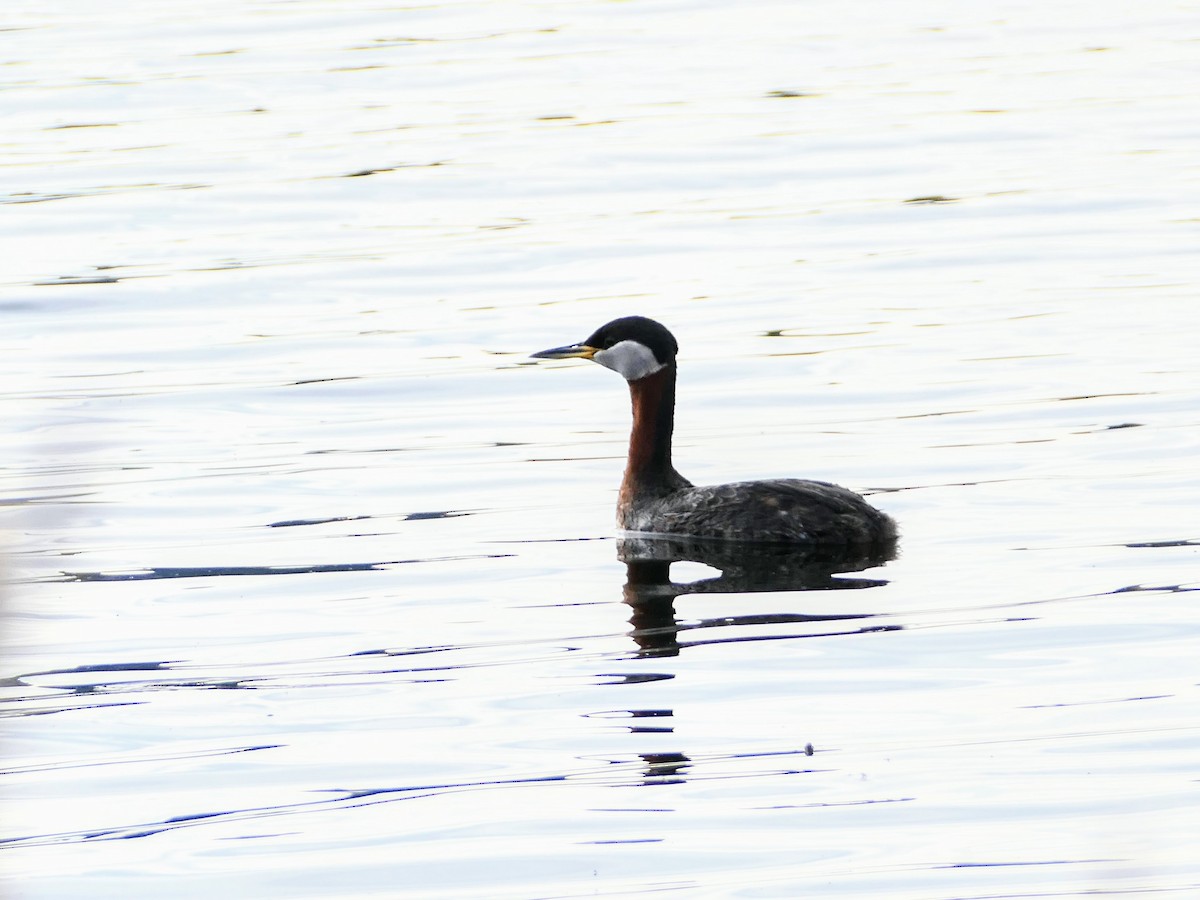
649 471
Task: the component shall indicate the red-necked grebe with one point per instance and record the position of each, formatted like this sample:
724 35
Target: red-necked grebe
654 498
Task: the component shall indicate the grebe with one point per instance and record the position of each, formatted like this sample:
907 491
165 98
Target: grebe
656 499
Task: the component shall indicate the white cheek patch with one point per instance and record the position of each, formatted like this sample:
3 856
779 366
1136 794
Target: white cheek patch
629 358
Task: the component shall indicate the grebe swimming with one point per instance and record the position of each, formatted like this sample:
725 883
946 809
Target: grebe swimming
656 499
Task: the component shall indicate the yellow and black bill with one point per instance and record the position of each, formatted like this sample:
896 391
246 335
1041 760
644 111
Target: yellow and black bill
571 351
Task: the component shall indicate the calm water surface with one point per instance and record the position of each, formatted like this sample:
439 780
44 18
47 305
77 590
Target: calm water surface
314 590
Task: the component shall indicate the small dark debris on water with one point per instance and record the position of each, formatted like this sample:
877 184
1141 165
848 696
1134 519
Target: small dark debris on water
931 199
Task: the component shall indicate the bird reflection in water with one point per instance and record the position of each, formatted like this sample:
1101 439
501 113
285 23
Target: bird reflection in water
744 568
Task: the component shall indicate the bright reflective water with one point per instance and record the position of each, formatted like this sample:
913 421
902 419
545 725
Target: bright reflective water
314 589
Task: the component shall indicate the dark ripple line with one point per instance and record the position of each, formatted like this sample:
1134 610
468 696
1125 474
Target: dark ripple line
167 757
406 517
353 798
162 572
421 674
